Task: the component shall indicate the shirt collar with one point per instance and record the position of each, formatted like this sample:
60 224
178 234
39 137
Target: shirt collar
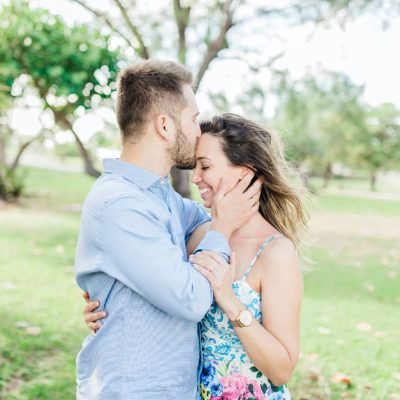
141 177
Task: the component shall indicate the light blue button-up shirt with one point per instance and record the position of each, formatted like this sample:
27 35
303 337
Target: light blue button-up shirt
131 256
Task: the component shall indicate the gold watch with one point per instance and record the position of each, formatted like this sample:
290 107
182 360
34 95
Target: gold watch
245 318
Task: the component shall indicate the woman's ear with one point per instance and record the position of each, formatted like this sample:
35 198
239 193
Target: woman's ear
246 170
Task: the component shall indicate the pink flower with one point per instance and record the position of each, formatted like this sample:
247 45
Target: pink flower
234 386
258 394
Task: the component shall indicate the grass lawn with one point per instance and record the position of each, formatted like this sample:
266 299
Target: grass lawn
350 318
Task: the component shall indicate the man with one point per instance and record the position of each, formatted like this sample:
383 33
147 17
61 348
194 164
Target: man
131 253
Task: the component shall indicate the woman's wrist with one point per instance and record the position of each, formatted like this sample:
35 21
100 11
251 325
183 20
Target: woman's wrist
233 308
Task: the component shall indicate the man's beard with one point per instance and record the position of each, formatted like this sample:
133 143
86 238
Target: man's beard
182 152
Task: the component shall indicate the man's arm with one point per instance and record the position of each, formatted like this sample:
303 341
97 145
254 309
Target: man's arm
137 250
192 215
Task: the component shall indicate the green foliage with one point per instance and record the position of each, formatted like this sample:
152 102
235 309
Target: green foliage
378 147
320 116
71 67
324 121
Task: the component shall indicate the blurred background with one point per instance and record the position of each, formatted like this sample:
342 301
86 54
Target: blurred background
322 73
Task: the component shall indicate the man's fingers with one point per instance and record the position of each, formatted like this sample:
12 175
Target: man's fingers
94 326
93 317
91 306
85 295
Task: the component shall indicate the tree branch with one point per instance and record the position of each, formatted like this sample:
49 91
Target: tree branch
182 19
143 50
20 151
216 45
103 17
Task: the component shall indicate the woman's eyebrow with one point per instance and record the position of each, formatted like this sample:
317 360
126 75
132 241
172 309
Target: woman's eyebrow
202 158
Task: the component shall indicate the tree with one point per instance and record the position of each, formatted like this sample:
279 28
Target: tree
322 116
204 32
71 68
377 146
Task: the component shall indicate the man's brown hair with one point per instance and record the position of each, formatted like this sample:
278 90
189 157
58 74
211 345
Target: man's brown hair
147 87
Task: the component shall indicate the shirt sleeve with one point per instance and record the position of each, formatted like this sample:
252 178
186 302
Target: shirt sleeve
192 214
138 251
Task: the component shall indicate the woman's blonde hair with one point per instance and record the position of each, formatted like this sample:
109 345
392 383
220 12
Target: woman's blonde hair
246 143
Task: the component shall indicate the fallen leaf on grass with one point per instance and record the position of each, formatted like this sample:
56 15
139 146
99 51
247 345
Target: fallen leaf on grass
346 395
312 356
339 377
394 396
369 287
33 330
368 386
8 285
22 324
324 331
364 327
37 252
379 334
392 274
397 375
314 374
59 249
357 264
13 385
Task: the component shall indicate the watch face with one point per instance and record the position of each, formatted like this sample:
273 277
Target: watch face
246 317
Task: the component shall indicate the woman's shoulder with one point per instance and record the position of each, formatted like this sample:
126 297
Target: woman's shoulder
279 252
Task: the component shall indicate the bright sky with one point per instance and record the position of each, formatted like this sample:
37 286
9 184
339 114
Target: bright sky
363 51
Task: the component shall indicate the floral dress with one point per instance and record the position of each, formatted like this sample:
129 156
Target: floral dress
227 372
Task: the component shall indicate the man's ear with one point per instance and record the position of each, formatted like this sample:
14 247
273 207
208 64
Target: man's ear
165 127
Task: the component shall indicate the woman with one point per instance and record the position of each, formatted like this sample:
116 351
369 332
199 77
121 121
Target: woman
250 335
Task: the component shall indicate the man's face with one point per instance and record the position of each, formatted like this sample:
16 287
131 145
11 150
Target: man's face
188 132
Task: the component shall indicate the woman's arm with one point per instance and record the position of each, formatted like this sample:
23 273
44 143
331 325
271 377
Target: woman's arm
273 346
196 237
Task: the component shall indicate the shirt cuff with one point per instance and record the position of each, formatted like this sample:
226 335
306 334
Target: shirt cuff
215 241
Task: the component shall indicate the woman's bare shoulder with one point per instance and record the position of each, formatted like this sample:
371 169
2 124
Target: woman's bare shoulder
280 252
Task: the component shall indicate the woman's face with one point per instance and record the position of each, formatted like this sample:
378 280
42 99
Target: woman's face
211 166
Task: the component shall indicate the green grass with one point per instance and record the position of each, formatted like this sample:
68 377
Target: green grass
354 279
334 203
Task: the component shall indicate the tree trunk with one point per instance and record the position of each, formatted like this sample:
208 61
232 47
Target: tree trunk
14 165
89 168
180 181
327 175
373 180
88 163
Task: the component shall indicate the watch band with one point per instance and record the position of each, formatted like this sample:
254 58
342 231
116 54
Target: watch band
237 322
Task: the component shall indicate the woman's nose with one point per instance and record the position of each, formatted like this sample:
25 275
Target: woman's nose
195 176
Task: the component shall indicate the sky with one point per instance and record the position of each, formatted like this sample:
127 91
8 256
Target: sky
363 51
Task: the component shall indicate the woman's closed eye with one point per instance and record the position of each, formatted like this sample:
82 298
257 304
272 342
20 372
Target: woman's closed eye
203 168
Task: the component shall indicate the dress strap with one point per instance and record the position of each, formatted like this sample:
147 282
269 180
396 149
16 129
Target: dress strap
269 239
